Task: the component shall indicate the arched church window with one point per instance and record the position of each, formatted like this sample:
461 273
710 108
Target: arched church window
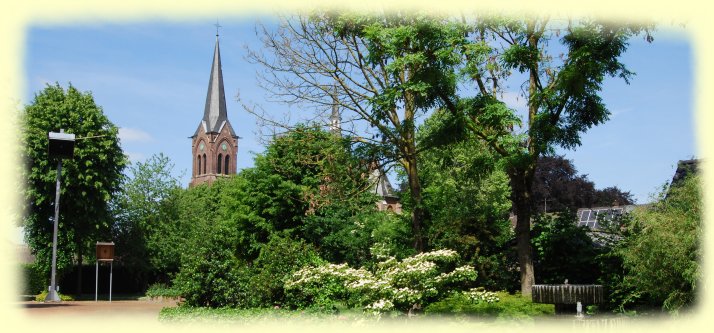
198 158
220 163
204 163
228 158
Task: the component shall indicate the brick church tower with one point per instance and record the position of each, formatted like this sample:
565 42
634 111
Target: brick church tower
214 146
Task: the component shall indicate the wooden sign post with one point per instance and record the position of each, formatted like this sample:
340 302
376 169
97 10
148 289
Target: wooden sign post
105 252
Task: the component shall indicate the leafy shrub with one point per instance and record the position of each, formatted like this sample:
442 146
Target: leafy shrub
34 279
563 250
403 285
662 257
277 261
162 290
320 287
211 275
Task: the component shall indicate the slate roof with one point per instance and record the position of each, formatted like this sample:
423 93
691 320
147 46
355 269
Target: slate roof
215 115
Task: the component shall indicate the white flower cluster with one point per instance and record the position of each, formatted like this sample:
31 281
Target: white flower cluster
394 283
381 305
479 295
461 273
319 274
406 295
444 255
368 283
419 268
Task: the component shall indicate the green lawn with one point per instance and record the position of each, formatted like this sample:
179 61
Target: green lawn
510 307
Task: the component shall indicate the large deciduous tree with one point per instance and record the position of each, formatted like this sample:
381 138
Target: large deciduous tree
561 67
372 68
387 69
146 219
89 180
558 187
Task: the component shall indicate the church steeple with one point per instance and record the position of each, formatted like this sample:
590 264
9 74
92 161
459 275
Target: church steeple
214 112
335 121
214 144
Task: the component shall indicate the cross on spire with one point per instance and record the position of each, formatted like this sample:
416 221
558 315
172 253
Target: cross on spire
217 26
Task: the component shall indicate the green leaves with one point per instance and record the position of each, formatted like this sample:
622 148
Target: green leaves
662 256
146 219
416 51
521 57
92 176
563 250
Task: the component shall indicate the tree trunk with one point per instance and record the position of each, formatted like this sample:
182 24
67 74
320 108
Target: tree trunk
521 201
410 164
417 211
79 268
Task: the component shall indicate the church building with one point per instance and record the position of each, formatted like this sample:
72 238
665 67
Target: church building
214 145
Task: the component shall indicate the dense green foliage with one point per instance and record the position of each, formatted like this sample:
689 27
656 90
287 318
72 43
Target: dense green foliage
564 250
662 256
157 290
278 260
35 281
145 219
213 269
89 180
561 94
310 185
467 202
389 69
305 201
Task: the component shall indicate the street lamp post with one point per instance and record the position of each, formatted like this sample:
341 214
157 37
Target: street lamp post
61 146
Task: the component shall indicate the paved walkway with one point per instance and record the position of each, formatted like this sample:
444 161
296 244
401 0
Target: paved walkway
135 309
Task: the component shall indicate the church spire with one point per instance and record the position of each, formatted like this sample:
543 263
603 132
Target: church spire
214 113
214 145
335 122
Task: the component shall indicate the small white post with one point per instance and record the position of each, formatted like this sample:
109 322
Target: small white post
111 271
96 278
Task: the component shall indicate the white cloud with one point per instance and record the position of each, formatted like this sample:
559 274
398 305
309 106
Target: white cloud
127 134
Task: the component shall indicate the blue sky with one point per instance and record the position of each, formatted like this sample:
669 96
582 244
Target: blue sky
151 77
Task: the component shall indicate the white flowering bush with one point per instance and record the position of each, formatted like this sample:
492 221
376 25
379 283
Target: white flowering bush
393 285
478 295
321 286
